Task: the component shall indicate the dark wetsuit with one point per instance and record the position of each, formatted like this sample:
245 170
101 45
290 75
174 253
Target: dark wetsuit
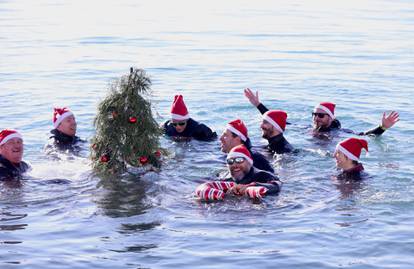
335 125
63 142
278 144
355 173
193 129
261 178
259 161
11 171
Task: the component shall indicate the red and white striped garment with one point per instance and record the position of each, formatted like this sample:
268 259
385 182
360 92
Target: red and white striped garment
256 191
213 191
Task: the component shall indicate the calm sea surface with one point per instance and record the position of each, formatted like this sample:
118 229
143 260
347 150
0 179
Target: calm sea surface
358 54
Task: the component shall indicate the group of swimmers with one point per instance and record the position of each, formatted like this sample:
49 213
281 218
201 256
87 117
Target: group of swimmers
250 172
63 138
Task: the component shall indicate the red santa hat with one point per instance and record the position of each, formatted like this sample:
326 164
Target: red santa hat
178 109
328 107
237 127
7 134
277 118
59 114
352 147
240 151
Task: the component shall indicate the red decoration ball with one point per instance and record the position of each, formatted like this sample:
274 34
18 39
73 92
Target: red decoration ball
104 158
132 119
143 160
157 154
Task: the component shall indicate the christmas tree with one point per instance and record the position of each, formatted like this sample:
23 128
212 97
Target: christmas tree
126 132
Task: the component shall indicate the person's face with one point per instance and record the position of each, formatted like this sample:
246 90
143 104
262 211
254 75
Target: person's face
268 131
341 160
12 150
239 167
68 126
228 141
179 125
321 119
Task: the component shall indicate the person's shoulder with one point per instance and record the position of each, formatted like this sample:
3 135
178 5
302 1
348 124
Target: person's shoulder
336 124
264 174
257 155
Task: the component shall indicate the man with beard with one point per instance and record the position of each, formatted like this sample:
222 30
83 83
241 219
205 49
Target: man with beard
183 128
273 125
245 179
64 133
236 134
11 154
323 117
347 155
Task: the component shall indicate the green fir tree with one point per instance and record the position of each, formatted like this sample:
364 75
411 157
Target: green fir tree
126 132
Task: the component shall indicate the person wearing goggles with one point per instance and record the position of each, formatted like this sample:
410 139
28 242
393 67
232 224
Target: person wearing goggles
244 180
182 127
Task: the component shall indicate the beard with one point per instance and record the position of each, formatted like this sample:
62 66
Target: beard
266 133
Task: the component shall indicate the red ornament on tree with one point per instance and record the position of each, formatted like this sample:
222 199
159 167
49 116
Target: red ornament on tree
143 160
94 146
114 114
132 119
157 154
104 158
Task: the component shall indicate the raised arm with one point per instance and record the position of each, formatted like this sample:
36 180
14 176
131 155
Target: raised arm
387 122
254 100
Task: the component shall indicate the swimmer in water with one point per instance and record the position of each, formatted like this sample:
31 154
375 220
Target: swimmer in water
11 154
183 128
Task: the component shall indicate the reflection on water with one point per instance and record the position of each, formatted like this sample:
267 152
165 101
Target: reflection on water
123 197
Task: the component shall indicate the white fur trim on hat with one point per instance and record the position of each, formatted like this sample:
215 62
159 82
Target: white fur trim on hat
60 118
324 108
272 122
237 132
180 117
347 153
235 154
11 136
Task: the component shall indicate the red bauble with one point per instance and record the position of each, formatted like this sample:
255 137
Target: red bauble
157 154
94 146
143 160
114 114
132 119
104 158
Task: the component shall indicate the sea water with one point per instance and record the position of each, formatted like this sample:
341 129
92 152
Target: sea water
358 54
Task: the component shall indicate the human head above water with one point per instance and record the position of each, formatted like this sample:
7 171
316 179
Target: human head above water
179 113
347 152
239 162
323 115
64 121
273 123
11 145
235 134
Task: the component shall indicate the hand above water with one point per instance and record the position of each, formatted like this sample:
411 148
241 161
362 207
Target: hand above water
389 120
253 97
239 189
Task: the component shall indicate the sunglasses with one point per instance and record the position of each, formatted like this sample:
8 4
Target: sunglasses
175 124
319 115
231 161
